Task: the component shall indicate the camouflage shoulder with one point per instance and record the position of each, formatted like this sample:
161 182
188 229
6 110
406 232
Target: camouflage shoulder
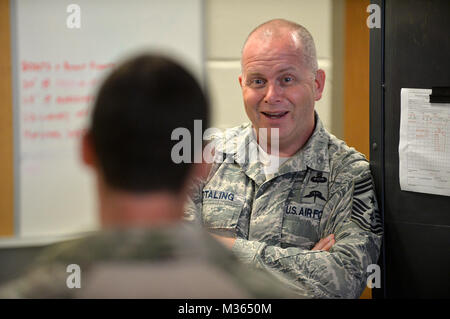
347 165
40 280
225 141
60 251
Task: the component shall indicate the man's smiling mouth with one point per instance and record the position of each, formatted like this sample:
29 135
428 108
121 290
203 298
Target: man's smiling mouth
275 115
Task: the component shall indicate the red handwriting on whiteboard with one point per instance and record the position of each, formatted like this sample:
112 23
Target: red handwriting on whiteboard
45 83
72 83
29 117
28 66
46 117
74 67
28 84
74 99
55 116
28 99
100 66
34 135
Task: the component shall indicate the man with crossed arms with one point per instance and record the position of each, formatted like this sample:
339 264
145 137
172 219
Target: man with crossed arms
316 218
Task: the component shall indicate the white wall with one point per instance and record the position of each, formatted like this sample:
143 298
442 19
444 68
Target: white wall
228 22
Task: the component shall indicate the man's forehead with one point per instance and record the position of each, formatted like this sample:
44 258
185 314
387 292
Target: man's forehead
274 57
266 46
275 67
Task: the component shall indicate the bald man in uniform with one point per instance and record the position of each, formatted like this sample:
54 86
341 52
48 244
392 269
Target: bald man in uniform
315 216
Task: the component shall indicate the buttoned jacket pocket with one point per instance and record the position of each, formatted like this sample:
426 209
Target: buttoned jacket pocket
221 214
300 225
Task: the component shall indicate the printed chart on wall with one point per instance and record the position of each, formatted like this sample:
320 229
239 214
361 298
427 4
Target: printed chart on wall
424 148
61 52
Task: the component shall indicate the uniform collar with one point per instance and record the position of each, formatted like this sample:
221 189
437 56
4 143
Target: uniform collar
242 148
314 154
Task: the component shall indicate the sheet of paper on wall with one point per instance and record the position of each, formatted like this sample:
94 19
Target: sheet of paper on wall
424 148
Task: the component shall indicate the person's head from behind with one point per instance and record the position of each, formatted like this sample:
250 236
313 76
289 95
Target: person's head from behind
129 140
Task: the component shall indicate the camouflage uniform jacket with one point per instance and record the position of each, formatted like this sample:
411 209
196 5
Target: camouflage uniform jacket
163 262
325 188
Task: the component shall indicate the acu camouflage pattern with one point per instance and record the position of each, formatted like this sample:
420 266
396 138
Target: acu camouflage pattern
325 188
178 243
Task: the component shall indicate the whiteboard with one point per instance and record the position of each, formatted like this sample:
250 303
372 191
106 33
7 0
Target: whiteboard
56 73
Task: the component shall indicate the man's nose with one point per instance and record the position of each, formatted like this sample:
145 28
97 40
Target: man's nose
273 94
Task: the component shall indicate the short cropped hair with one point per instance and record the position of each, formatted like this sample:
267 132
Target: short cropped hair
137 108
306 39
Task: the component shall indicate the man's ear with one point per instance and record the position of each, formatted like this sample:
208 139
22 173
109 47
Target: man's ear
87 150
240 80
319 83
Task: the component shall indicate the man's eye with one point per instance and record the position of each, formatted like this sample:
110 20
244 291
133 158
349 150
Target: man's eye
288 79
258 82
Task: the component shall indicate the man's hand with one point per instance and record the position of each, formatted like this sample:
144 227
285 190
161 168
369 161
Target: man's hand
325 243
226 241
